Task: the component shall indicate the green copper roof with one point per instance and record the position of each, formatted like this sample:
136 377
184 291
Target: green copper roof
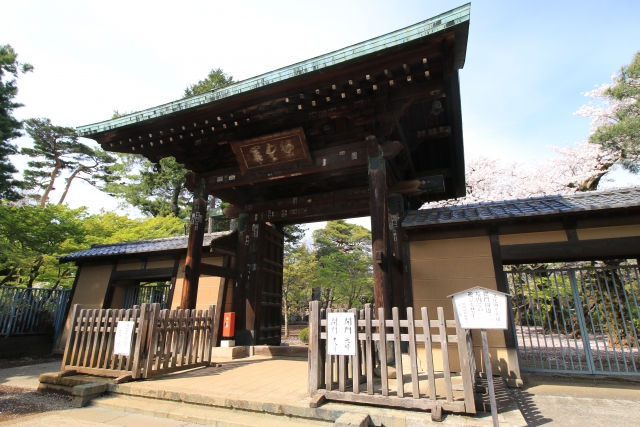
396 38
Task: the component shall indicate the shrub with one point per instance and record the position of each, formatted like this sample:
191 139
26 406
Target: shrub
304 335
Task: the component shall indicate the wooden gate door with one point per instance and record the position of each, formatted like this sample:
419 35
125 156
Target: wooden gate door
268 295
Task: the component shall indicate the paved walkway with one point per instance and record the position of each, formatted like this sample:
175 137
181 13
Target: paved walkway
26 376
94 417
553 401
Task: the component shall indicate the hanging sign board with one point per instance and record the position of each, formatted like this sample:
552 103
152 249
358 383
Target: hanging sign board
124 333
480 308
341 334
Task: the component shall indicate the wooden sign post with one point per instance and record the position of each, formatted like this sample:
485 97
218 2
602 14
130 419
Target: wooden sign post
482 308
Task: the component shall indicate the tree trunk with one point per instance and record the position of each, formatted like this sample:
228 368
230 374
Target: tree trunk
8 276
175 209
35 270
66 187
54 174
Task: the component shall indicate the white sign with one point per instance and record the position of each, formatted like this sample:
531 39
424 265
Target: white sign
341 334
124 332
480 308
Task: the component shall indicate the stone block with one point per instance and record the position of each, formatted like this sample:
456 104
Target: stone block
227 352
89 389
352 420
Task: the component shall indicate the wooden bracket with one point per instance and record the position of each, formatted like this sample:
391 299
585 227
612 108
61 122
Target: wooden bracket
317 400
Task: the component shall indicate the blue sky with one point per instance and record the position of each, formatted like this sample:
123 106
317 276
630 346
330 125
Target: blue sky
527 65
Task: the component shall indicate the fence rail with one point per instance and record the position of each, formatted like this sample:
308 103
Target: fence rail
162 341
340 377
32 311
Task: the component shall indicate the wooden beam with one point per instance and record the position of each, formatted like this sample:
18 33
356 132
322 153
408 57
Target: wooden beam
326 160
214 270
144 274
580 250
194 250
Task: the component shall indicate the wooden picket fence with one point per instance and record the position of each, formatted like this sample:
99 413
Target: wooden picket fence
340 377
162 341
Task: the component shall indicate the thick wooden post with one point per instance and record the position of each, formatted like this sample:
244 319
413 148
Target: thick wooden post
395 212
194 250
379 227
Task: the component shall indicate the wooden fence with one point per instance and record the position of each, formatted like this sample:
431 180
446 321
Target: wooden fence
341 377
162 341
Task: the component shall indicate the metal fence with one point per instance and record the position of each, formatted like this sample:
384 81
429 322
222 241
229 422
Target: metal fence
136 295
32 311
581 320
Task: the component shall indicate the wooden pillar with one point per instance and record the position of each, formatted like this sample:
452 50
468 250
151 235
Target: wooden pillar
379 227
395 212
194 250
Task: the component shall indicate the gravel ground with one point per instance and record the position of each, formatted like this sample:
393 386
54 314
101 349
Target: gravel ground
26 361
294 331
17 402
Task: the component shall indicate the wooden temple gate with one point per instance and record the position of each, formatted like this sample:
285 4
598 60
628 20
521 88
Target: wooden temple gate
371 129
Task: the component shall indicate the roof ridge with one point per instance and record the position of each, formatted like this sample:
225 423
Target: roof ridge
159 239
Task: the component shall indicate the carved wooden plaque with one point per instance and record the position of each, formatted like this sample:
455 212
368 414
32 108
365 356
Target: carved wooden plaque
276 151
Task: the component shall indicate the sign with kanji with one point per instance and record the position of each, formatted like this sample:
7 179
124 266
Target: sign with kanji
481 308
341 334
276 151
122 343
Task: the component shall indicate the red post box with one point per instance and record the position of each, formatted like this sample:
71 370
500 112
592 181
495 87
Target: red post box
229 325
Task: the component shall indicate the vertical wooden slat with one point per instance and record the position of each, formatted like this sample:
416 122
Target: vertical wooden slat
428 350
444 344
412 354
72 339
168 339
367 331
314 347
465 369
355 360
363 351
175 346
162 339
197 339
328 371
96 335
212 333
322 350
103 339
384 371
398 351
83 344
152 333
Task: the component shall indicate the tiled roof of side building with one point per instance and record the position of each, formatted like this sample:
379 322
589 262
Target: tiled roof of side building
520 208
140 247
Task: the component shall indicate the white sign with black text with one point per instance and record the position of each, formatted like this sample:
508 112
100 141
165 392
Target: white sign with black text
341 334
122 343
480 308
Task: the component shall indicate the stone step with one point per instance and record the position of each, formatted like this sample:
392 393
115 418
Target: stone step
200 414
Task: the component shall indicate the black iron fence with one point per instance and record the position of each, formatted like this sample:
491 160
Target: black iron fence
32 311
584 320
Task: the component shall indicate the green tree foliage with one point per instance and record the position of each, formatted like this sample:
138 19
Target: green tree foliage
299 278
344 273
163 192
56 149
616 128
9 125
155 191
32 238
214 80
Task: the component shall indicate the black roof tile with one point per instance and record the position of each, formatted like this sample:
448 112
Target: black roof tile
520 208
